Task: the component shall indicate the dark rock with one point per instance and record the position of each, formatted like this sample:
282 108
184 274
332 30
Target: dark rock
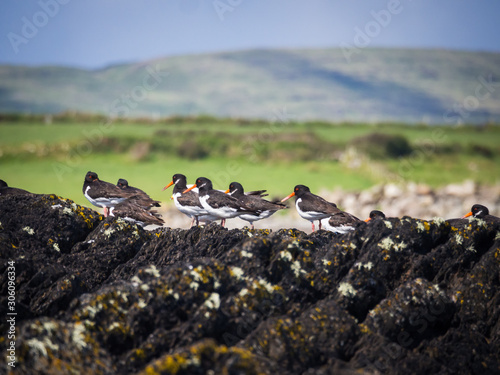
208 355
51 346
393 296
112 243
44 224
322 333
168 246
36 231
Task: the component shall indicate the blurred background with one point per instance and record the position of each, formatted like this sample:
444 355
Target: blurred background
390 105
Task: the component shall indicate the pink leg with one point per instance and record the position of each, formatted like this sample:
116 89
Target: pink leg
105 212
223 222
312 223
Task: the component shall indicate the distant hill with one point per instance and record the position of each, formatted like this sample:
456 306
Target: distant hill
435 86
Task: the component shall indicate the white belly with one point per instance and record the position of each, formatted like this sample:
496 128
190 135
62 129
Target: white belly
221 212
103 202
310 215
251 218
340 229
188 210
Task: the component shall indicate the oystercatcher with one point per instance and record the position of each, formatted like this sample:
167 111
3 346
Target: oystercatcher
375 214
145 199
189 203
103 194
217 203
7 190
341 222
481 212
132 211
312 207
263 209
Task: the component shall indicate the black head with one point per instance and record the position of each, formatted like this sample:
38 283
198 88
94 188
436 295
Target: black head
375 214
300 190
91 177
122 183
479 211
203 183
236 189
3 184
179 178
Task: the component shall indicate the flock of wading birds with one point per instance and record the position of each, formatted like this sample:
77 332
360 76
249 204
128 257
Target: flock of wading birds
203 203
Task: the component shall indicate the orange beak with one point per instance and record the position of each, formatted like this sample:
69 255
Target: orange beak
166 187
469 214
191 188
367 220
287 198
227 191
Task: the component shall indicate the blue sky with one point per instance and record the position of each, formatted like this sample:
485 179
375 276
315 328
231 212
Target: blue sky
97 33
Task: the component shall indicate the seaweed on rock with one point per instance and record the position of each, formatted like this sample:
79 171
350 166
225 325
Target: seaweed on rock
394 295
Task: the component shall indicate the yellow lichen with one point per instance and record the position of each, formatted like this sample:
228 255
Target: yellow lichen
191 358
364 328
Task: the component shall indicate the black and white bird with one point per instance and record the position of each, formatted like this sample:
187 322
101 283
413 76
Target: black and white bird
142 197
189 203
341 222
481 212
313 207
132 211
261 207
375 214
218 203
103 194
7 190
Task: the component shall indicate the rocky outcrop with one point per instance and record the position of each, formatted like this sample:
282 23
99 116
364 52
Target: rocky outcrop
394 296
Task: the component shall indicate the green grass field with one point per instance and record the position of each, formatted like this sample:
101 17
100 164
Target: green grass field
54 158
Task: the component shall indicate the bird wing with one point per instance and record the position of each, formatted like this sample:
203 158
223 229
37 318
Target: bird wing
257 204
343 218
218 199
318 204
189 199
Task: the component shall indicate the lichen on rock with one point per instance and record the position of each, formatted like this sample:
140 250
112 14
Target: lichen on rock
103 296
